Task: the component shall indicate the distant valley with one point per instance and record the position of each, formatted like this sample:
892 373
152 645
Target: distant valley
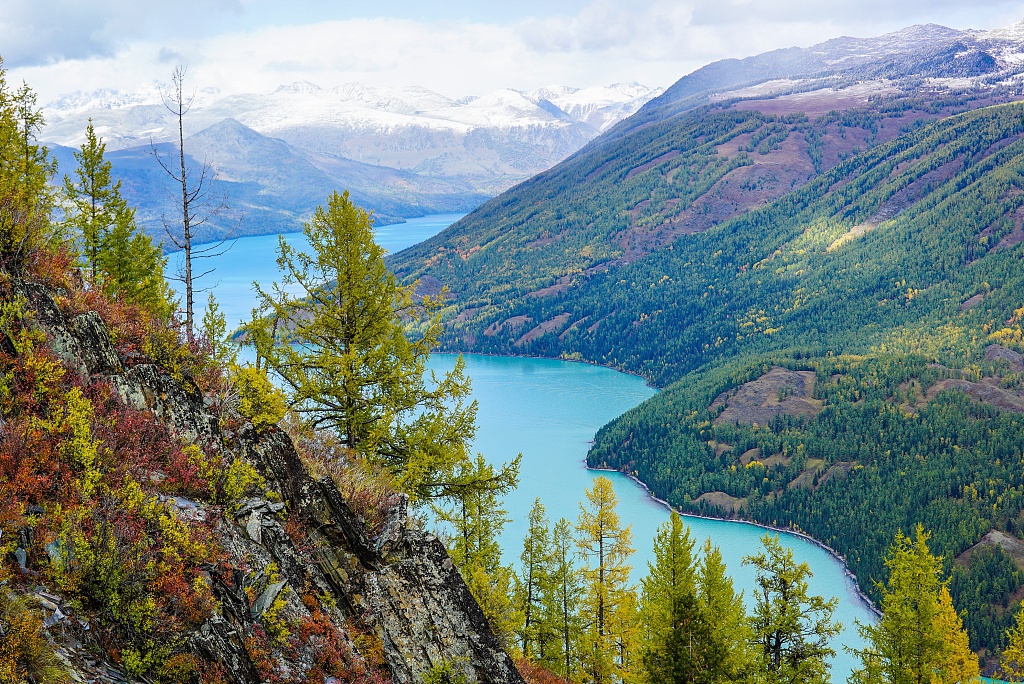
403 151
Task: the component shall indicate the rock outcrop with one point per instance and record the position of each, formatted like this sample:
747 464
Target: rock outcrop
399 587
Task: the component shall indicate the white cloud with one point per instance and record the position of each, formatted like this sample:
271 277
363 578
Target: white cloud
243 45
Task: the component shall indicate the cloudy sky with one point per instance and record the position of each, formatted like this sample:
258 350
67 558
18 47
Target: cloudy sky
456 47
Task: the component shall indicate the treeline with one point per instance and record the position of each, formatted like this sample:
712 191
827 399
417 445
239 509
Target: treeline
569 609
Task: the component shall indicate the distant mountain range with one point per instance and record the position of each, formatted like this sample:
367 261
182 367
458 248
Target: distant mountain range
402 151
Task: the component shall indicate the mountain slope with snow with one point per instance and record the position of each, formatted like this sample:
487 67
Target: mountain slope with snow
488 142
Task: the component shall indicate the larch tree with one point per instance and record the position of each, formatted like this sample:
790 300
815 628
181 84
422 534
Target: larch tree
531 581
477 519
791 629
920 638
564 601
610 603
93 202
350 347
1011 664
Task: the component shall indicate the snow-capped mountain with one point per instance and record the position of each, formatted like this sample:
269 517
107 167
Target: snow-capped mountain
490 141
925 58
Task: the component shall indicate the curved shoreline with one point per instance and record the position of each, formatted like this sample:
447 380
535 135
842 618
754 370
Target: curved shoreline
822 545
796 533
553 358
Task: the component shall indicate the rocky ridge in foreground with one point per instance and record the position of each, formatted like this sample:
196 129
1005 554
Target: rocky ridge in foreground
299 578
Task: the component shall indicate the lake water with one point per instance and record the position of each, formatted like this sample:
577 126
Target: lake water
549 411
255 258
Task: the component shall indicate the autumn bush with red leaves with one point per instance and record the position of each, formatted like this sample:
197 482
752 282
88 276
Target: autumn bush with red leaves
80 480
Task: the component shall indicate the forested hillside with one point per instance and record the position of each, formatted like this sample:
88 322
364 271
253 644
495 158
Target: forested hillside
841 360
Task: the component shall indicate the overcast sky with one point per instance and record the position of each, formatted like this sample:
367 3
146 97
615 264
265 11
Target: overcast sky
456 47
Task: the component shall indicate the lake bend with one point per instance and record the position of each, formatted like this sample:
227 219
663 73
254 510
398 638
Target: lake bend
549 411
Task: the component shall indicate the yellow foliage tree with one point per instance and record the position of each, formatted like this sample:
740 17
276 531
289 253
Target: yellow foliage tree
1012 661
919 639
609 639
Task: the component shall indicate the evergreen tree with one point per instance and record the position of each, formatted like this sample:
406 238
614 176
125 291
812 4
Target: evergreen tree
25 171
215 330
563 600
532 581
1012 661
477 520
791 629
131 267
694 624
94 205
668 606
920 638
610 603
679 654
728 656
349 365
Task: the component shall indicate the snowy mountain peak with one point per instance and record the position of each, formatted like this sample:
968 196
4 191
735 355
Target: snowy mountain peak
494 140
304 87
1013 32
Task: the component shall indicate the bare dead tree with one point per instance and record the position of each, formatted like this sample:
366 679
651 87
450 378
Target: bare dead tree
198 202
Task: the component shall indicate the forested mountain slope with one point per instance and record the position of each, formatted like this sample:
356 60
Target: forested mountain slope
724 139
611 204
840 360
817 253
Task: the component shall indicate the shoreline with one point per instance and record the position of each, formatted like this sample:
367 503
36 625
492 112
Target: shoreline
553 358
796 533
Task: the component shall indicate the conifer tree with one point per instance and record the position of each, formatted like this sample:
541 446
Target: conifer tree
477 520
1012 661
694 623
564 602
25 171
670 578
919 638
119 257
610 605
94 205
532 581
728 656
668 607
791 628
349 365
131 267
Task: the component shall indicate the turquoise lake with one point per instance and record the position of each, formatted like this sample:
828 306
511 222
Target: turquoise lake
549 411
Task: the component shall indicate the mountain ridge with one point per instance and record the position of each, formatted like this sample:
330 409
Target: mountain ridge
267 186
490 141
820 266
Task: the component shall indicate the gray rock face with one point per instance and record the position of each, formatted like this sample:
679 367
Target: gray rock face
401 586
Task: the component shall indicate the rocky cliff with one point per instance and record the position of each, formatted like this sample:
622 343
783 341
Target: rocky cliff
303 588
